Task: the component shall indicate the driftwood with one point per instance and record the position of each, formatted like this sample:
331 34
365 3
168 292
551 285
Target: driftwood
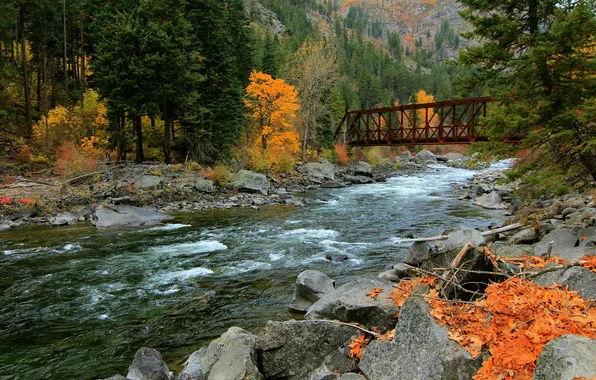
451 272
444 237
83 176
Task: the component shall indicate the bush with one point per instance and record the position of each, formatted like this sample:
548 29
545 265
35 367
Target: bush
71 161
220 174
342 155
330 155
284 164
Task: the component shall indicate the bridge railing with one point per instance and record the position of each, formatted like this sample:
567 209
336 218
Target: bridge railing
449 122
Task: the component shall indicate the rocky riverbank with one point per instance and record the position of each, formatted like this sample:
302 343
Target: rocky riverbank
133 195
322 345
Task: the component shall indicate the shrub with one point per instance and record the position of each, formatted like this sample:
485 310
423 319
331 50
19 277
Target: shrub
72 162
285 164
220 174
342 155
330 155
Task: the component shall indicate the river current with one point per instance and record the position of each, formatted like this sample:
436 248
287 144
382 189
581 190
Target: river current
77 302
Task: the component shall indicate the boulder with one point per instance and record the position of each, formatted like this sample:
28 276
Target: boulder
250 182
491 201
458 239
148 182
576 278
405 156
333 185
567 357
418 252
318 172
344 376
116 377
310 286
295 349
349 303
508 250
587 237
127 216
362 168
425 157
193 368
390 275
562 238
232 356
421 350
148 365
568 211
357 179
64 218
204 185
525 236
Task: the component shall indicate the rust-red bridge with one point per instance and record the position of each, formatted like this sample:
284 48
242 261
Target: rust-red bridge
448 122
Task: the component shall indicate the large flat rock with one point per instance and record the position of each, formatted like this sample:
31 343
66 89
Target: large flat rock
127 216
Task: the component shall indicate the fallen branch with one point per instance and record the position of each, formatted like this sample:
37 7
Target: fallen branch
34 181
437 299
83 176
376 335
444 237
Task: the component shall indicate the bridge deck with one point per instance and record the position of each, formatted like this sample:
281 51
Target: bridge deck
449 122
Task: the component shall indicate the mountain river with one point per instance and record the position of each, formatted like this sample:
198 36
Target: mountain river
77 302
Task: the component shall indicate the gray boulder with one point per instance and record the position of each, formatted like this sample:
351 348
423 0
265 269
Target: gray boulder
318 172
491 201
421 350
148 182
562 238
402 270
458 239
568 211
127 216
310 286
232 356
577 278
64 218
525 236
418 252
405 156
333 185
508 250
204 185
344 376
425 157
362 168
193 368
390 275
357 179
349 303
294 350
148 365
567 357
250 182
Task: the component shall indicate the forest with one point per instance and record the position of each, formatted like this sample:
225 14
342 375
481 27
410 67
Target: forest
265 83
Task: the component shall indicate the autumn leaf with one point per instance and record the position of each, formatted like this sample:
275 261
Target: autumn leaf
375 293
357 346
588 262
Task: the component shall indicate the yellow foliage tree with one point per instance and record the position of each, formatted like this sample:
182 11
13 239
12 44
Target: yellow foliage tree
421 98
272 104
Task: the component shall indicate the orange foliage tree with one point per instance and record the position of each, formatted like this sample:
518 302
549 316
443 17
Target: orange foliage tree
421 98
273 105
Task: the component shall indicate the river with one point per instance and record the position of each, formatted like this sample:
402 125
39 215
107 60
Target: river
76 302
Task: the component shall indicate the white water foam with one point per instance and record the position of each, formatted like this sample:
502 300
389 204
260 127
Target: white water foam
70 247
276 256
186 274
168 227
311 233
190 248
245 266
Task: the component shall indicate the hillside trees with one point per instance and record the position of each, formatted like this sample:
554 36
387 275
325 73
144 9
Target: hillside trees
538 57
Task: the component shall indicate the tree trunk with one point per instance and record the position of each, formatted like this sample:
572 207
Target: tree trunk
38 105
26 76
53 82
167 111
139 156
304 142
64 48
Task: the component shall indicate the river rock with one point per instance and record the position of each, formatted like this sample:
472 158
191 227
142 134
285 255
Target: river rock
421 350
318 172
390 275
402 270
458 239
64 218
567 357
357 179
562 238
491 201
362 168
525 236
233 356
577 278
148 365
568 211
116 377
425 157
310 286
405 156
250 182
127 216
148 182
343 376
193 368
349 303
293 350
333 185
204 185
511 250
417 253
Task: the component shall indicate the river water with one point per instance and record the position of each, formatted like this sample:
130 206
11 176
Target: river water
76 302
